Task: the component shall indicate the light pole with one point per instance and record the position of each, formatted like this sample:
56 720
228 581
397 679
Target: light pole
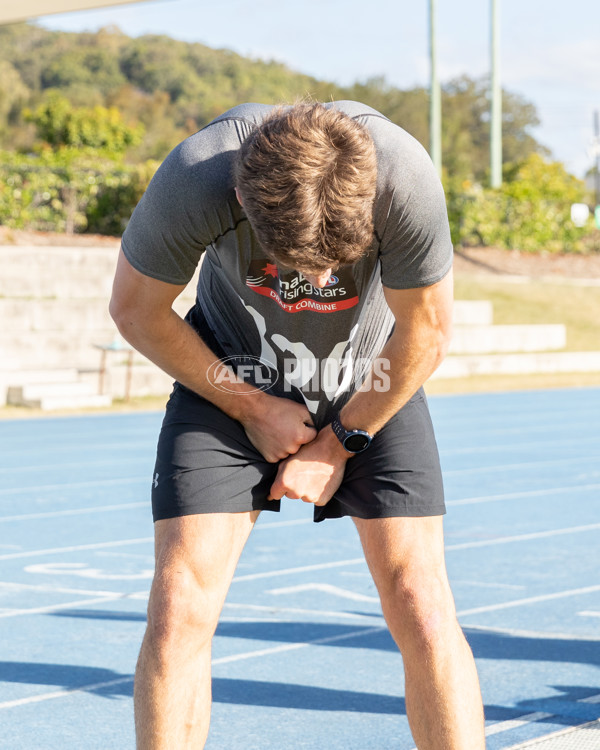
496 99
435 98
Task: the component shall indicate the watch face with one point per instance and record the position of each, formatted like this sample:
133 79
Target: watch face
356 443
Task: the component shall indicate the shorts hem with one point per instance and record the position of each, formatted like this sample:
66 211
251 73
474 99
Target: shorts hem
273 506
437 510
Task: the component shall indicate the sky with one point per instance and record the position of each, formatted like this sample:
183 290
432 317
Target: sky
550 52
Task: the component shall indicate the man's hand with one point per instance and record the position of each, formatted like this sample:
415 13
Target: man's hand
314 473
278 428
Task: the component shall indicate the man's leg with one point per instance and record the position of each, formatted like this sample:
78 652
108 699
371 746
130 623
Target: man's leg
443 700
196 558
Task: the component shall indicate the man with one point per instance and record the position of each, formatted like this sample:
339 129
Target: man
327 256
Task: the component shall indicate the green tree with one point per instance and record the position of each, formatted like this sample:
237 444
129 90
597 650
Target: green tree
101 128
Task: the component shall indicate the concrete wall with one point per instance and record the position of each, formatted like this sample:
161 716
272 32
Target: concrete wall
54 312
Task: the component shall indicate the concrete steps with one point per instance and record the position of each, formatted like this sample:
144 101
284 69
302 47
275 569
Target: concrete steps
517 364
486 339
53 389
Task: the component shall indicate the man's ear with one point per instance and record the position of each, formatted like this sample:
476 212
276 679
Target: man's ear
239 197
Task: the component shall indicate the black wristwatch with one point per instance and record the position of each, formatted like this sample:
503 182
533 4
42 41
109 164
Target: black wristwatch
354 441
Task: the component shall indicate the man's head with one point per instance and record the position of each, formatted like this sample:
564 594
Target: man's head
306 177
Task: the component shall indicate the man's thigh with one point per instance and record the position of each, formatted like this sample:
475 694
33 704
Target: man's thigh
199 553
403 548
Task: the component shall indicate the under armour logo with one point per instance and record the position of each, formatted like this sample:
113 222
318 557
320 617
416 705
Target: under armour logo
155 481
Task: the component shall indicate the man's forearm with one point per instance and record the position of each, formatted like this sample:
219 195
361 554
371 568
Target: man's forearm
176 348
406 362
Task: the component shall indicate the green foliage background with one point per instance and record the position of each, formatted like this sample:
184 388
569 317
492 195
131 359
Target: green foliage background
86 118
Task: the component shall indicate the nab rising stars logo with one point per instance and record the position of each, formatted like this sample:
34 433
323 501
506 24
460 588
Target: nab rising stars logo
294 293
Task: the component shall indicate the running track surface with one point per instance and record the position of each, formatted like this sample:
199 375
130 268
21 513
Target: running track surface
302 658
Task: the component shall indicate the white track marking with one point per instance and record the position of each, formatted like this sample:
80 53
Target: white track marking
281 524
74 512
328 589
570 489
50 589
470 449
76 548
65 692
222 660
529 600
296 646
519 721
525 465
539 635
589 613
86 465
73 485
296 610
520 537
590 699
483 584
301 569
554 735
58 607
83 570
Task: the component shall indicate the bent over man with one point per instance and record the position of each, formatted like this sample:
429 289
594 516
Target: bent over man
326 256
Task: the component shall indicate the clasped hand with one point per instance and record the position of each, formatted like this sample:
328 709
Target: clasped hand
311 463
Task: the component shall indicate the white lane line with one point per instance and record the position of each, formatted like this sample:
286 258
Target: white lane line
486 585
281 524
299 611
537 634
529 600
525 465
74 512
589 613
590 699
449 548
470 449
521 537
328 589
86 465
76 548
301 569
58 607
295 646
519 721
50 589
65 692
222 660
73 485
557 735
570 489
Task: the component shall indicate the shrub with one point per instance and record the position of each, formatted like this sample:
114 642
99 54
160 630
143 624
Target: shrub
531 211
69 190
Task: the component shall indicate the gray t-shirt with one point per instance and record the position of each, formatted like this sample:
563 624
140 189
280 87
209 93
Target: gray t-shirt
319 342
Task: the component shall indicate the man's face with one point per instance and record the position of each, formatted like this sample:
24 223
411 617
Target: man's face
318 280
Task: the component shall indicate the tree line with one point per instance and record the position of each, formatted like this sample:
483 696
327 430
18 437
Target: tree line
86 117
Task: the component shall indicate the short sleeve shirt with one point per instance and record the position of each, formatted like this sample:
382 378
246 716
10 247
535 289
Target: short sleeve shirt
318 343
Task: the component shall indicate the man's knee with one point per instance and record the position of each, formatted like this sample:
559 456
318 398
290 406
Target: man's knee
419 608
182 612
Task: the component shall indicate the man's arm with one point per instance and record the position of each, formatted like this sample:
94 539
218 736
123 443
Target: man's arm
417 346
142 310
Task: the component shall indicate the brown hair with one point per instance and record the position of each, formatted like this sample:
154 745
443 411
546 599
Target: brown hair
307 178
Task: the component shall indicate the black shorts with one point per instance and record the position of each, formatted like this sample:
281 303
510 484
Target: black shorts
206 464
